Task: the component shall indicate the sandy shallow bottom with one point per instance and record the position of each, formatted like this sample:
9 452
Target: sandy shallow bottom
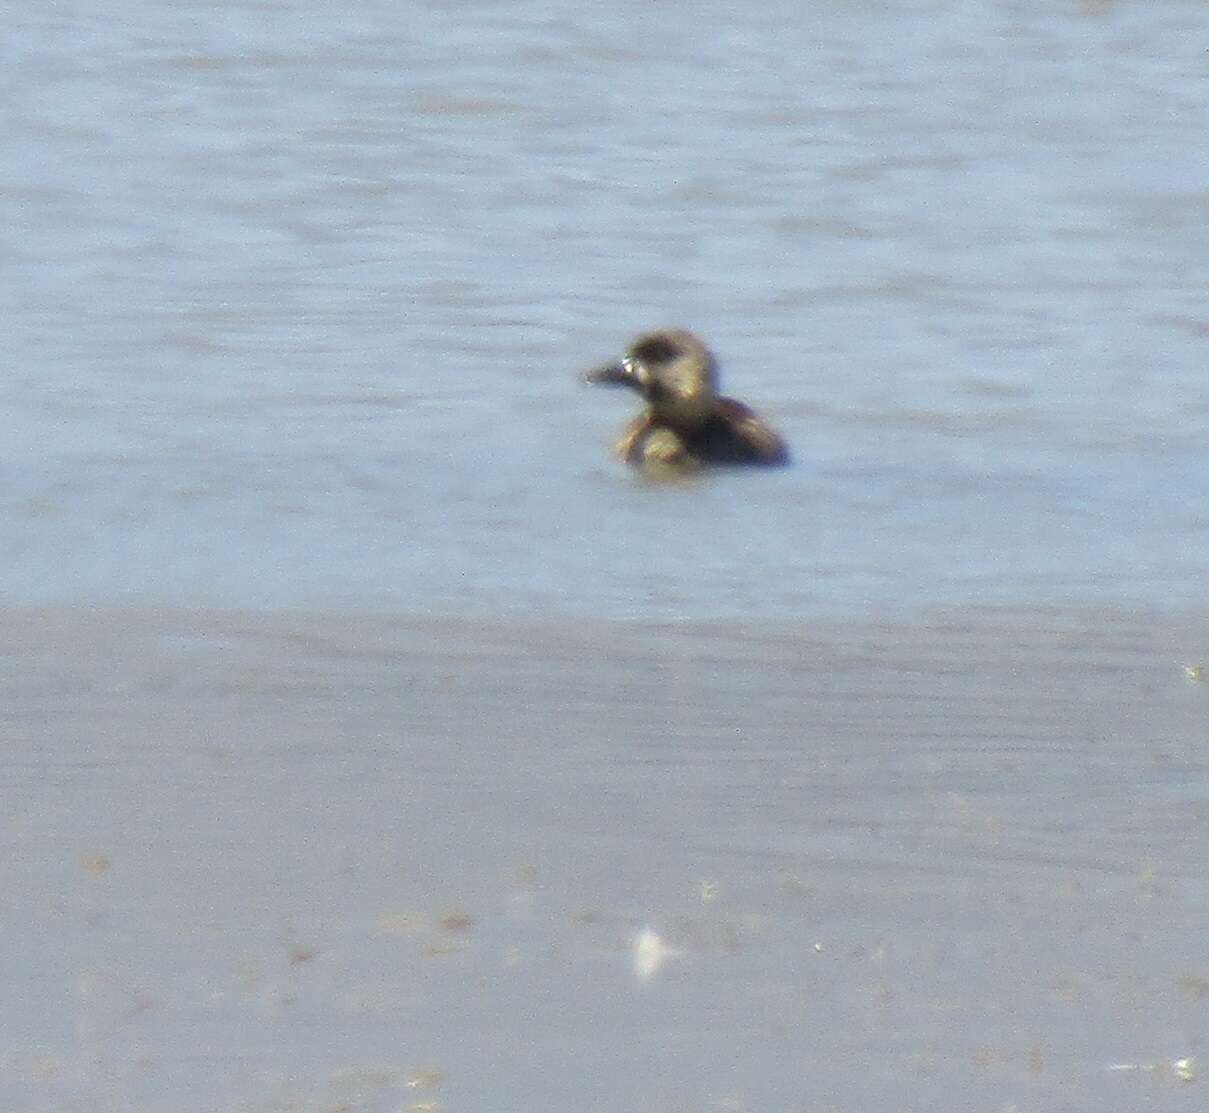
331 862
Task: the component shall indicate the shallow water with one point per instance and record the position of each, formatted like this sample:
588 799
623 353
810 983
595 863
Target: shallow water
297 298
319 862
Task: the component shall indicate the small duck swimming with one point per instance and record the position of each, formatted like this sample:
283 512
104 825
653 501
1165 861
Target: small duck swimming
687 424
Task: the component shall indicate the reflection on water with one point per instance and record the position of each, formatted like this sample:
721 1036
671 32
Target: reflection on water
297 298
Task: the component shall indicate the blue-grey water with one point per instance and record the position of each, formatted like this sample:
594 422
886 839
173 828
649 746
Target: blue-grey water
371 740
295 296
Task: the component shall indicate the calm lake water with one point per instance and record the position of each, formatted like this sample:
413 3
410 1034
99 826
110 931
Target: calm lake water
371 740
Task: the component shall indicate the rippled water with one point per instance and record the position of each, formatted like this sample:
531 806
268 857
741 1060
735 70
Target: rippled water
258 863
359 713
297 296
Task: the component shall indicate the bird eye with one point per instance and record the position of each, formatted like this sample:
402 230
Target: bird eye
637 370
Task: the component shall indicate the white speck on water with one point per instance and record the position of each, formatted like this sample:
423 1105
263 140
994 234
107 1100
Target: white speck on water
650 953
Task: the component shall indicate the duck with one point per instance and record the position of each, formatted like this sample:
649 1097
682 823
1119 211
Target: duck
686 425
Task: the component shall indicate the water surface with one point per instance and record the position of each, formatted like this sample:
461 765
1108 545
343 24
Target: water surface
371 740
297 298
313 861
